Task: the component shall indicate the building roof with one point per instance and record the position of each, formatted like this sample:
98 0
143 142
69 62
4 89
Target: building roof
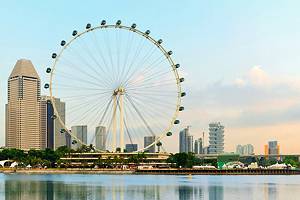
24 67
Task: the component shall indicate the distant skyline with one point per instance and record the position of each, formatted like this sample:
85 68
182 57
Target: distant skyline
239 58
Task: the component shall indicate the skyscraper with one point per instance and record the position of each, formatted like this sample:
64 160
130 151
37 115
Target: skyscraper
100 134
198 146
147 141
190 143
239 149
23 108
81 133
216 138
182 140
185 141
52 127
131 148
272 149
247 149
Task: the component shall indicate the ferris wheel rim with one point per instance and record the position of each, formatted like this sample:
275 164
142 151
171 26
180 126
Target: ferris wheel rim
164 132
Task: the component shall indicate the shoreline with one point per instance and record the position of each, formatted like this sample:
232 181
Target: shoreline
171 171
66 171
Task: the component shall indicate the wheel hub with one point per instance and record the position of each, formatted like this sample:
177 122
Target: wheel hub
119 91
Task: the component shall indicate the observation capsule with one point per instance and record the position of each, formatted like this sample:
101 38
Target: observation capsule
48 70
118 23
159 41
158 144
181 80
62 43
62 130
54 55
176 121
177 66
183 94
53 117
74 142
133 26
88 26
103 22
169 133
181 108
74 33
147 32
170 53
46 86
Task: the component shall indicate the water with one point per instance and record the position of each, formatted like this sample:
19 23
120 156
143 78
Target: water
160 187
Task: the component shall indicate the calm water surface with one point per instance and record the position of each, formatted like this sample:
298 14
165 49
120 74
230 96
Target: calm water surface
130 187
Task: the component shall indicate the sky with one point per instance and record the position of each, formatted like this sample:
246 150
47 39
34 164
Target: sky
240 59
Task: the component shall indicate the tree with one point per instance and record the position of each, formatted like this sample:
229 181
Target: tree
180 159
35 153
51 156
189 160
292 160
247 160
84 149
14 154
62 151
262 162
133 159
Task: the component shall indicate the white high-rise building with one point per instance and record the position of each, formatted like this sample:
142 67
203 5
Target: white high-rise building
216 138
23 108
100 137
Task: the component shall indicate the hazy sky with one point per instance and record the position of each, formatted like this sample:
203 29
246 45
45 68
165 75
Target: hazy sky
240 58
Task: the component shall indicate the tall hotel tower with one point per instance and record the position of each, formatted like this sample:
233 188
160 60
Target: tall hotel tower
23 108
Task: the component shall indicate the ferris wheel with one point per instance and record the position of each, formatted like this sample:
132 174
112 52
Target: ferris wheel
119 80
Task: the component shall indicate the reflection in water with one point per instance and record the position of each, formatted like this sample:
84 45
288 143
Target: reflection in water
114 187
49 190
36 190
190 192
270 191
185 192
215 192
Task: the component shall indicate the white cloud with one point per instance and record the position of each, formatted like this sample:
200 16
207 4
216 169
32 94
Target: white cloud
253 100
257 76
239 82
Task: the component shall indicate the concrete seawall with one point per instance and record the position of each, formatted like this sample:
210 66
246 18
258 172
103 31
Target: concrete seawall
67 171
220 172
156 171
